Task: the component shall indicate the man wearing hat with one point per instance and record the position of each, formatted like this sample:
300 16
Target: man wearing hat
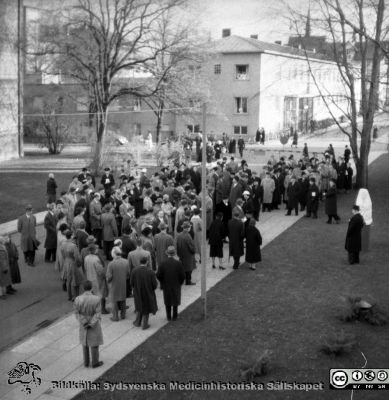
50 224
27 230
162 241
144 283
236 232
171 275
109 230
312 199
186 252
88 312
354 236
107 181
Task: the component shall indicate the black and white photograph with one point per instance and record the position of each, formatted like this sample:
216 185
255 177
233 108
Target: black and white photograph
193 199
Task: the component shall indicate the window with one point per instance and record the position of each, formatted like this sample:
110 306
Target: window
238 130
137 128
242 72
217 69
193 128
241 105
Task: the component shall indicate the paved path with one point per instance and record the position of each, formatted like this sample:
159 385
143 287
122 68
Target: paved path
57 351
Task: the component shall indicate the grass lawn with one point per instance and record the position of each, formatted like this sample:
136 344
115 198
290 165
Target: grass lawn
288 305
19 188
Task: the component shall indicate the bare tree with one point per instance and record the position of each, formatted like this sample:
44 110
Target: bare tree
100 42
357 34
183 83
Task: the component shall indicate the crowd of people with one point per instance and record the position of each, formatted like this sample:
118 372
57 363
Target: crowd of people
118 236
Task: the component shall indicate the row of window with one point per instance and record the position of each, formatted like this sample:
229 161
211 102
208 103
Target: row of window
238 130
241 71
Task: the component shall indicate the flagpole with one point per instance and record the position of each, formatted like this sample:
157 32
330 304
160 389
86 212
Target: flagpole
204 214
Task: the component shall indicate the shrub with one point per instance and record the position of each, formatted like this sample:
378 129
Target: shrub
338 343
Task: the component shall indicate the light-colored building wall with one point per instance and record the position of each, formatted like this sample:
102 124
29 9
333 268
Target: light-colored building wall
9 104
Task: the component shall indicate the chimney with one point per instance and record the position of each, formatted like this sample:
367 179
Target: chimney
254 37
278 42
226 32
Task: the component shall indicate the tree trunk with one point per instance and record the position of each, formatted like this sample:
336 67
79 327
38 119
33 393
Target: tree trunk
362 164
101 119
159 120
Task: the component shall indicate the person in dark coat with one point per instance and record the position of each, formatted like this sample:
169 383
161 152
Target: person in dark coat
13 257
216 237
253 244
348 178
312 199
293 192
354 236
304 186
224 207
241 145
331 207
236 234
28 240
81 236
50 224
186 251
171 275
109 230
347 154
51 189
107 181
257 197
87 308
143 283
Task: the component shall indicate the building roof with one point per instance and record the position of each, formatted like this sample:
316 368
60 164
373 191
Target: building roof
238 44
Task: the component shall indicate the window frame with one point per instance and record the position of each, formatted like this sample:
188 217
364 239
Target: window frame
217 69
239 103
240 129
242 76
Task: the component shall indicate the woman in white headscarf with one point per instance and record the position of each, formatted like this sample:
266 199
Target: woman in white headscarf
366 210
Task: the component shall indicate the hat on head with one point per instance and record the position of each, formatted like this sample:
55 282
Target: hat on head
186 225
143 170
166 197
246 193
356 208
158 201
72 189
28 207
171 251
90 239
107 169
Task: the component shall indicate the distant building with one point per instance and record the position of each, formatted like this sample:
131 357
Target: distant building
10 110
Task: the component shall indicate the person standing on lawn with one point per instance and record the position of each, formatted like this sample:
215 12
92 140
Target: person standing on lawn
50 224
354 236
144 283
117 273
186 252
51 189
253 244
331 206
216 237
87 310
171 275
27 230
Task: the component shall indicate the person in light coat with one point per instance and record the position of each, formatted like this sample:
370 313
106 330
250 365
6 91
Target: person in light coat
268 187
366 210
27 230
117 273
87 310
95 273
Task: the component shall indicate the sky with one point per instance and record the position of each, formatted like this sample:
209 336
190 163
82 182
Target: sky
266 18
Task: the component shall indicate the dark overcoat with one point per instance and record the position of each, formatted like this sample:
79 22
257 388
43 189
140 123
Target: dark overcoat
162 241
236 235
144 283
110 228
186 250
293 192
118 271
253 243
331 207
13 257
354 234
95 214
171 274
50 224
27 229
